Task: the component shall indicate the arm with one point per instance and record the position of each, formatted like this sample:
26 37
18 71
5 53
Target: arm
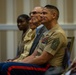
42 59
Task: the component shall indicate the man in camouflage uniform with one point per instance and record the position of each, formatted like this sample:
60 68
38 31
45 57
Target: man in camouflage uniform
49 52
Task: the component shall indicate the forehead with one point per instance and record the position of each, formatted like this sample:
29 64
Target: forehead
46 10
21 19
37 9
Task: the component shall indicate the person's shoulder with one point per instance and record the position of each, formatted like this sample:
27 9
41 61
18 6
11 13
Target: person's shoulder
60 30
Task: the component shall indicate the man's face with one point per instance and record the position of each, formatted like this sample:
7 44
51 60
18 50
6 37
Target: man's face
47 16
36 15
32 26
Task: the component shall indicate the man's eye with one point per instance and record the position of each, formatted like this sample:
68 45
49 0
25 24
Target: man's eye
43 12
34 12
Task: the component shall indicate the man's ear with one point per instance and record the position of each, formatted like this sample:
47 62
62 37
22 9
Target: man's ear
54 14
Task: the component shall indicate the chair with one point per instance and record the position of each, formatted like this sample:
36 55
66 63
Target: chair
70 43
66 60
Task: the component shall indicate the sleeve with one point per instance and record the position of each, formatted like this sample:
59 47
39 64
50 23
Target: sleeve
54 43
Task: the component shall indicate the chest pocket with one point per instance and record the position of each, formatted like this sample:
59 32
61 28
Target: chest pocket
45 40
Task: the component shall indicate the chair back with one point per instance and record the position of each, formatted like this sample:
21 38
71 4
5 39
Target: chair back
68 50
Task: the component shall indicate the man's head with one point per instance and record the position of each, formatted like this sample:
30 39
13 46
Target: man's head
23 22
50 13
35 15
53 9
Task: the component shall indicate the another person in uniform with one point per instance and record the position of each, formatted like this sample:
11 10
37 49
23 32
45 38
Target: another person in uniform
49 52
23 25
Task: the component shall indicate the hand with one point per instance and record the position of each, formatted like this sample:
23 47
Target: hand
28 59
9 60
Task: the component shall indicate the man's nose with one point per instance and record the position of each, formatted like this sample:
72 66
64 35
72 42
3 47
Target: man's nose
41 15
32 15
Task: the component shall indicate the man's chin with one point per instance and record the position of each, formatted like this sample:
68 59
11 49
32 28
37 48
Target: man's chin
20 29
42 22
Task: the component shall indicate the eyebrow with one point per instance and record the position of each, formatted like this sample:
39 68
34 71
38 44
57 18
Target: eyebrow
34 12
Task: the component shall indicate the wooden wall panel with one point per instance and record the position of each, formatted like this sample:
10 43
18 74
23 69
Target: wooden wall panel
3 11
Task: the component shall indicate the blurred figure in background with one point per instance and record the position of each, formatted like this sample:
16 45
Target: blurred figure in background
36 19
23 25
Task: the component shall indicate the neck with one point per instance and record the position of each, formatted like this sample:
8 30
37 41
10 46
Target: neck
25 30
50 24
38 24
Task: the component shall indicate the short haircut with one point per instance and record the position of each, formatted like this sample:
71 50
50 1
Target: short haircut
53 7
26 17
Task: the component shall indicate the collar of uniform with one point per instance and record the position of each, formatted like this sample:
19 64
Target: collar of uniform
55 27
29 35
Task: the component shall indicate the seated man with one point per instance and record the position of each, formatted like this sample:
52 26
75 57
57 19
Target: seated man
49 52
36 20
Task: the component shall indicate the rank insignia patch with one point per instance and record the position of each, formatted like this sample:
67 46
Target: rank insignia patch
55 43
